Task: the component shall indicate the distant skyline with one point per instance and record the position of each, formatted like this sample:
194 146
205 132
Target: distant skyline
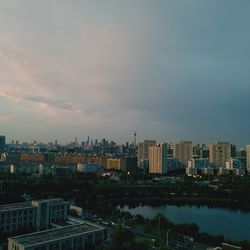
172 70
130 141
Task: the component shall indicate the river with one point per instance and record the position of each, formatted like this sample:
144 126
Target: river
233 224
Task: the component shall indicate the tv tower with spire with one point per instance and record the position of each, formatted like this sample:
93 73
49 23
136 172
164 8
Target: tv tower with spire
135 134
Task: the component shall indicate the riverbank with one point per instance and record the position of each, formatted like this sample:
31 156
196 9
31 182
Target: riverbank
180 201
214 221
158 227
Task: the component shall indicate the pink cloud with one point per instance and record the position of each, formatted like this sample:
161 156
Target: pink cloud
6 118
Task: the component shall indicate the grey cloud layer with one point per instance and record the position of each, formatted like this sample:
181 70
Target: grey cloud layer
60 104
176 69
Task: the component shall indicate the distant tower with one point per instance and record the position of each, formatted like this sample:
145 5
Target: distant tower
135 139
76 142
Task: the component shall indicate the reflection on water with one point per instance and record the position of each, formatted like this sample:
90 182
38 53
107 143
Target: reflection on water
234 225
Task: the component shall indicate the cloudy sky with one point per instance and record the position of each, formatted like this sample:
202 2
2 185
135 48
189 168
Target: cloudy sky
169 69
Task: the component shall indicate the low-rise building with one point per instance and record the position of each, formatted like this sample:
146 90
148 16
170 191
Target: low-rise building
76 210
116 163
89 167
207 171
50 211
122 163
234 163
191 170
36 215
17 217
239 171
63 170
65 238
223 171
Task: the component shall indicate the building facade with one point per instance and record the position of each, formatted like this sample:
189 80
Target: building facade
122 163
77 237
248 157
143 149
36 215
158 159
183 151
219 153
2 143
116 163
17 217
50 211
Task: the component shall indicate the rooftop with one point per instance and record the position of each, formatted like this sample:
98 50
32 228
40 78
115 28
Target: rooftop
15 206
54 234
53 200
22 205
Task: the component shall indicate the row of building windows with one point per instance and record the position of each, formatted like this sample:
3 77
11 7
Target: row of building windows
15 219
15 227
76 244
17 213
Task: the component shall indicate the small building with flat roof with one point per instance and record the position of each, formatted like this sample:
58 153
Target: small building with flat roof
71 237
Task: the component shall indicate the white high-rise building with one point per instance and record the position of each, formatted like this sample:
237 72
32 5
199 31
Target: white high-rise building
183 151
219 153
158 159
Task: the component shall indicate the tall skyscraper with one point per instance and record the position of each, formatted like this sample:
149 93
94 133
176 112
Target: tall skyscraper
2 143
158 159
219 153
143 149
248 157
183 151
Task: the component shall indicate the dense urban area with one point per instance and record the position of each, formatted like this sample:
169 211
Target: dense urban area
55 196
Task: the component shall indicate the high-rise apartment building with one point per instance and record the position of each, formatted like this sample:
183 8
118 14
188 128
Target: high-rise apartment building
200 151
183 151
158 159
2 143
219 153
143 149
248 157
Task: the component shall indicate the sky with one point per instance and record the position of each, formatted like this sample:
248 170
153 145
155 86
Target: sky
170 69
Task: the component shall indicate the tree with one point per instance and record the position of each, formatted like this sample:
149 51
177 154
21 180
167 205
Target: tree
123 236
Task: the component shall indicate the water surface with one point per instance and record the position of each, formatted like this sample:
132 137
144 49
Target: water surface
234 224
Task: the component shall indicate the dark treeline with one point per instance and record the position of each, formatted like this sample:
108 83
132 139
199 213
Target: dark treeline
86 189
100 195
158 228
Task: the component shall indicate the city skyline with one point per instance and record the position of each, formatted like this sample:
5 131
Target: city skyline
85 140
172 70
